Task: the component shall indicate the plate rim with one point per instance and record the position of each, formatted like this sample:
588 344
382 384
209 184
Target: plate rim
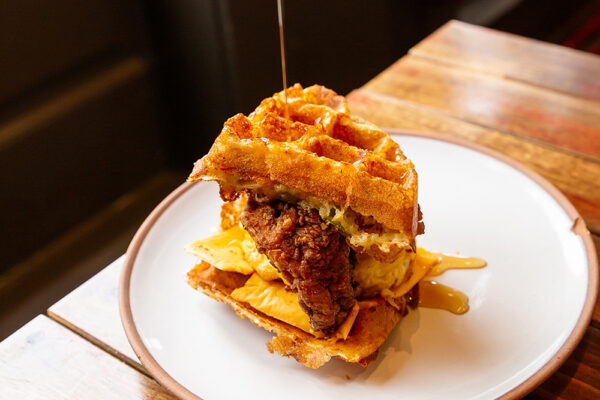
543 373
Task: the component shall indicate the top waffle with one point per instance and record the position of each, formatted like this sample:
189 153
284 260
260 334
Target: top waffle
316 152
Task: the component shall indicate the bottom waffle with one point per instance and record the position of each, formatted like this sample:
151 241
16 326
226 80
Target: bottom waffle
374 322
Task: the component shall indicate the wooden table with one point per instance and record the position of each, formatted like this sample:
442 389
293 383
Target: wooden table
535 102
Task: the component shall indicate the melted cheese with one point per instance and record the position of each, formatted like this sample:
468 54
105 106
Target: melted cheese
258 261
233 250
450 262
344 329
433 294
272 299
420 267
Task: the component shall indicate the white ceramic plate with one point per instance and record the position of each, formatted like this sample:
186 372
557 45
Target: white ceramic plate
529 307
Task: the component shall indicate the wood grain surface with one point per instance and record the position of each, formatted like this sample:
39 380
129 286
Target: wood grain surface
508 106
44 360
92 310
579 377
596 316
513 57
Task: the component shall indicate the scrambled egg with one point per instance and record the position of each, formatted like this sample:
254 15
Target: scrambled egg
374 276
423 262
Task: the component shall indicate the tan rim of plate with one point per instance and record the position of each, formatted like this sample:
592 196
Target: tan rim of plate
519 391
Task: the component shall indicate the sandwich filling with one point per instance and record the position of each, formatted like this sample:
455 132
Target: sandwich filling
311 255
318 230
300 255
364 234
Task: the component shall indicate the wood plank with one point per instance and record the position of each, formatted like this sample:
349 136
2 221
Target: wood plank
499 104
44 360
505 55
541 393
596 314
92 310
565 387
588 350
576 176
579 376
589 209
585 373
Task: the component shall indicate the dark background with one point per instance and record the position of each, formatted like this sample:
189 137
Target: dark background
105 104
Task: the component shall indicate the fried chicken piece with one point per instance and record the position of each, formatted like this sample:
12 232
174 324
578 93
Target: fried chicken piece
312 256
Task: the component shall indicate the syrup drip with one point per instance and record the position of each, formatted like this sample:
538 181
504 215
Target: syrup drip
282 50
435 295
450 262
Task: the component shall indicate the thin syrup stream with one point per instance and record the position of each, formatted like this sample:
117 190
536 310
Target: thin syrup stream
282 49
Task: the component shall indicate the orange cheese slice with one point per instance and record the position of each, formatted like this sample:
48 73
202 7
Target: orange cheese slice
233 250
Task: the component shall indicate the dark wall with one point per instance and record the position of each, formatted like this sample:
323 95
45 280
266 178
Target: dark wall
218 58
190 43
327 42
79 115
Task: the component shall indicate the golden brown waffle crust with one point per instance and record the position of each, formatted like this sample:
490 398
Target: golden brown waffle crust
372 326
318 151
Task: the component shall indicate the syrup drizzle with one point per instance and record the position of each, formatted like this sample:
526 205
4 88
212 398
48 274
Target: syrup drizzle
282 50
435 295
450 262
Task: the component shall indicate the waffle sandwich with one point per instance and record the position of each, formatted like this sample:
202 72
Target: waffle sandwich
317 241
